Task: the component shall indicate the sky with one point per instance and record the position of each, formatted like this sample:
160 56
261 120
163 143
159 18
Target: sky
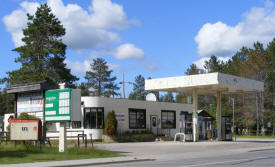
154 38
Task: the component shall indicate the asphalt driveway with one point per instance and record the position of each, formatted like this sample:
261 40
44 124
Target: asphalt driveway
170 150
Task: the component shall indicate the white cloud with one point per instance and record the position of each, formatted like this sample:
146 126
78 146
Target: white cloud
122 52
85 29
221 39
200 63
109 15
128 51
115 67
78 67
17 20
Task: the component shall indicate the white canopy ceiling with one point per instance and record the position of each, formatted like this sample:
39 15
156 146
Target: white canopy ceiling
205 84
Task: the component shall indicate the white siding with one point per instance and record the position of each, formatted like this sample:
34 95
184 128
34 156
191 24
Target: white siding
122 106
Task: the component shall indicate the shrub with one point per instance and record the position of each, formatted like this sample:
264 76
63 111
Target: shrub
27 116
110 124
148 131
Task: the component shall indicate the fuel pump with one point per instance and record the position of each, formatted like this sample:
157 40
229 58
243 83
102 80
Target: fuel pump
226 128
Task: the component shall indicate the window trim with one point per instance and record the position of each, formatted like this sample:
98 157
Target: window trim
143 110
175 122
84 119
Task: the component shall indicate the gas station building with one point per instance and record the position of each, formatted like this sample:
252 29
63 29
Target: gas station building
161 118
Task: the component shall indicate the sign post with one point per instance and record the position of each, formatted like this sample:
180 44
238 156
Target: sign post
62 137
62 105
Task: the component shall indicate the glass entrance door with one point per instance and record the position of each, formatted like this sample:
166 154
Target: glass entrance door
154 124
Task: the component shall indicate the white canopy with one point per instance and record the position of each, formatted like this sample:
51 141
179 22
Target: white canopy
210 83
205 83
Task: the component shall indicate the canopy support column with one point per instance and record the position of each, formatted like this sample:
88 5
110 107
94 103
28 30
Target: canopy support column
195 115
219 116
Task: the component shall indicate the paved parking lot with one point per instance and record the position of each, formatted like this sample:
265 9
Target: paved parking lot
152 149
242 153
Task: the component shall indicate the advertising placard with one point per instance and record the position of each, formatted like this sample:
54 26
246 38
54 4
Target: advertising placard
25 129
30 102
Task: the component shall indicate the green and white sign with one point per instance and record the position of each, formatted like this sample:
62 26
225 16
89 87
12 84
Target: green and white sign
62 105
58 105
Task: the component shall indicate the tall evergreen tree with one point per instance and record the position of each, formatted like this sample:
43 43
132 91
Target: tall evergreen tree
43 53
84 89
138 92
270 77
100 79
168 97
193 69
215 65
6 102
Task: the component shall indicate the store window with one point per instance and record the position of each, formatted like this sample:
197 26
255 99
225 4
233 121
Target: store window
76 124
94 118
168 119
137 118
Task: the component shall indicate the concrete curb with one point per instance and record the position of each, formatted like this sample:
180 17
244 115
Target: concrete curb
81 162
106 163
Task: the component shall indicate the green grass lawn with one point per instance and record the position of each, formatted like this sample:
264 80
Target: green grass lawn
269 137
9 154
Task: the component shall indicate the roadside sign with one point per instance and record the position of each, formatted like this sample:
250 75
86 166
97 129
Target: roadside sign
21 129
29 102
58 105
62 105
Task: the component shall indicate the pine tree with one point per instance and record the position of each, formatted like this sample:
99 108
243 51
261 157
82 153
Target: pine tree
168 97
100 79
6 102
138 92
215 65
193 69
84 89
43 53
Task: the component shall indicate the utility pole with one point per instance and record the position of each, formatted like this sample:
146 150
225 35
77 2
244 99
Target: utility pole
123 85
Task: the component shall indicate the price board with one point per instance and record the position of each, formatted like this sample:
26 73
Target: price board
60 103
